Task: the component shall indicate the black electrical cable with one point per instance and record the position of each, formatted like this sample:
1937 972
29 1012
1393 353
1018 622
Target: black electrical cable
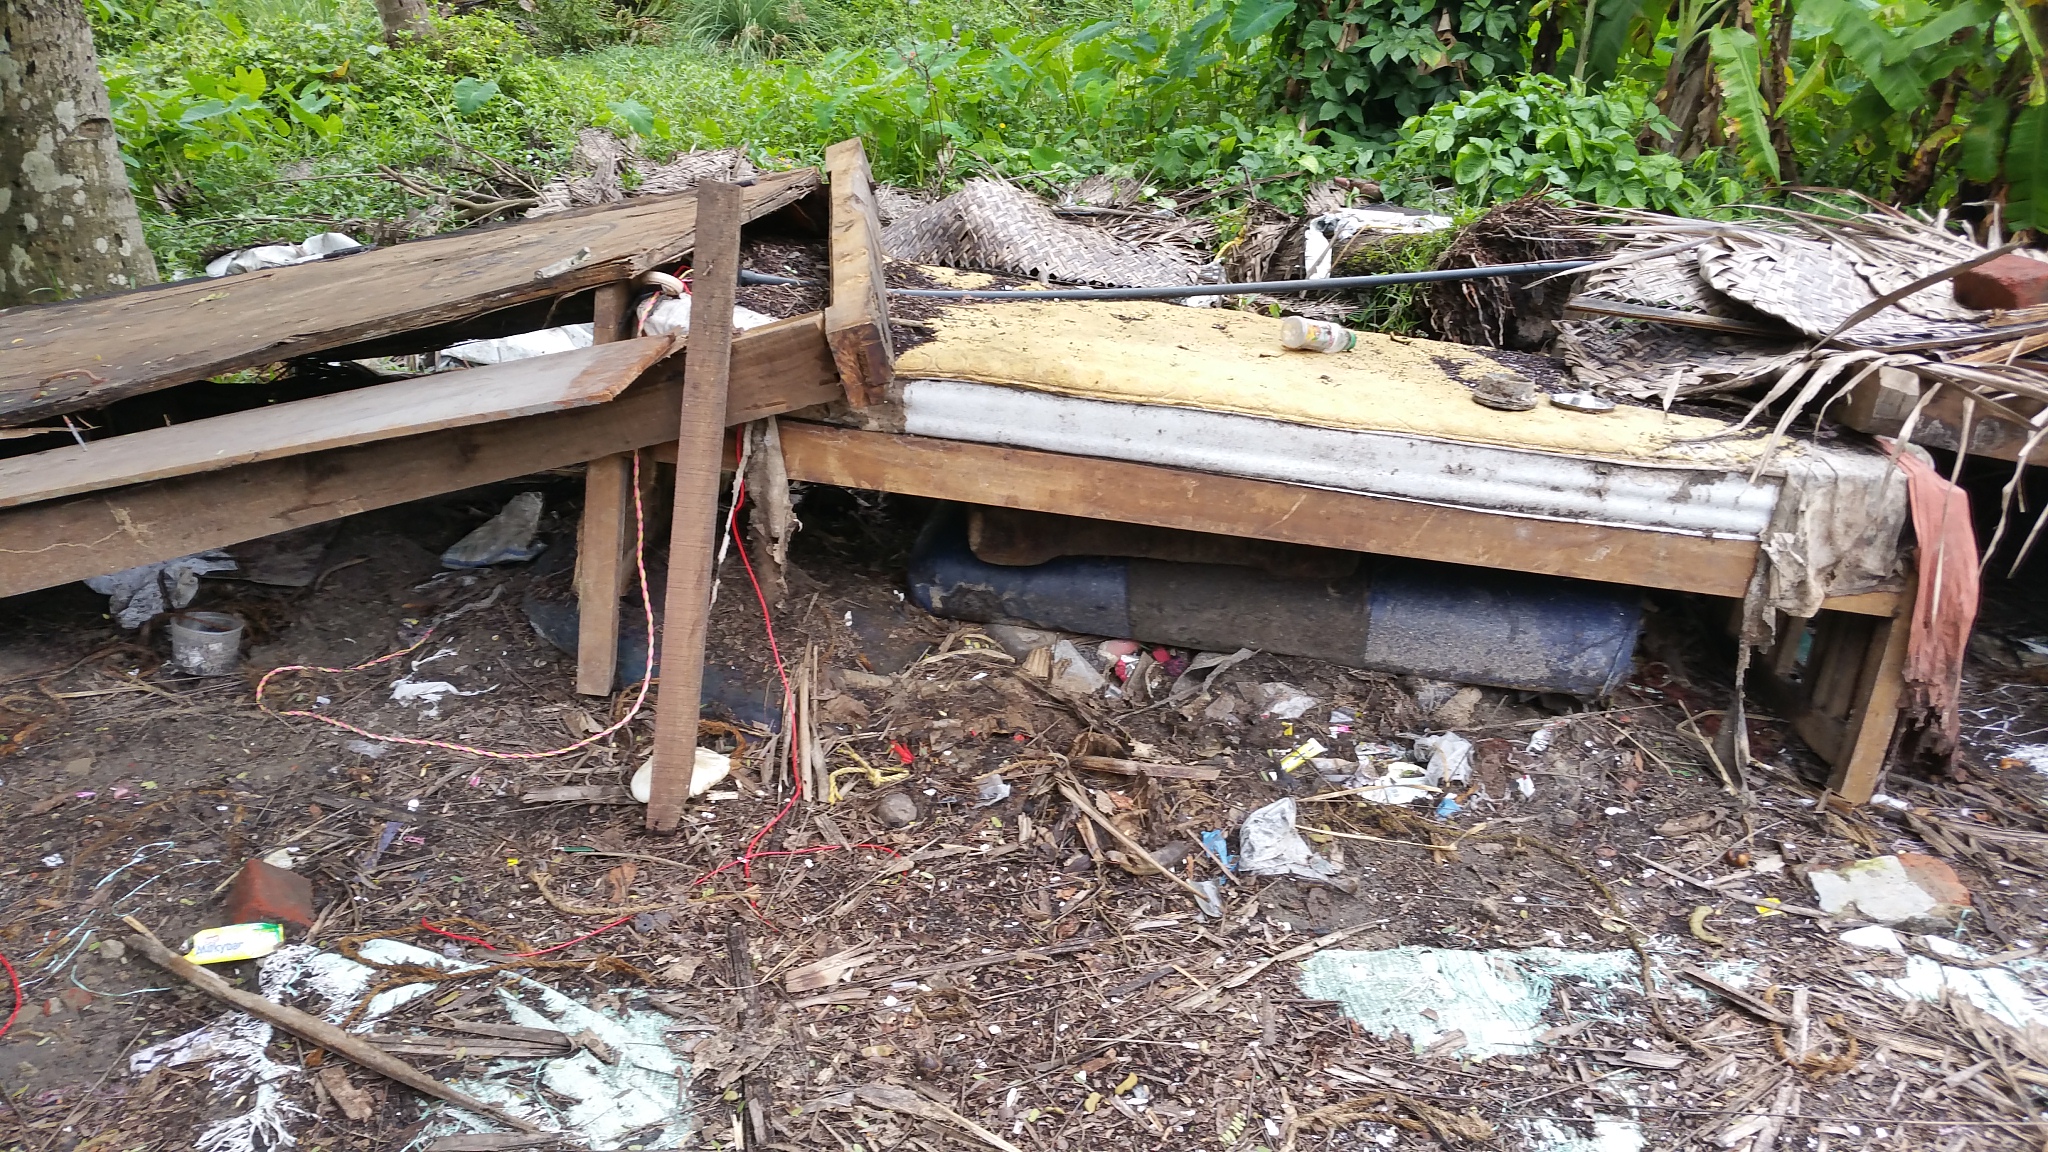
1270 287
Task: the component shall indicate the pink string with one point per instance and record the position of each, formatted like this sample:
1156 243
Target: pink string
646 678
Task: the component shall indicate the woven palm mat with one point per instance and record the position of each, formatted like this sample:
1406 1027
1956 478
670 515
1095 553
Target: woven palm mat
601 160
993 226
1812 286
1657 362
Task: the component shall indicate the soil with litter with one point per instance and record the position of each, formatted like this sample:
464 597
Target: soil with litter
1021 972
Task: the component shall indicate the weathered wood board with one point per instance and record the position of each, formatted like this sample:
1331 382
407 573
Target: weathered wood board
58 358
857 318
380 412
1266 510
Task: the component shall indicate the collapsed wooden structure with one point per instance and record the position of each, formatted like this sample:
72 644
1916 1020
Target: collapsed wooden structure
105 505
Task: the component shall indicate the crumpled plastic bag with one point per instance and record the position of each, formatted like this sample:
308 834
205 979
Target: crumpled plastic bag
1326 232
318 246
665 315
1450 759
1268 845
136 594
671 314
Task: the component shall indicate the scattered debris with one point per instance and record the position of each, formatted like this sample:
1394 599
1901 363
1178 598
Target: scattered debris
1909 890
1268 845
136 595
507 538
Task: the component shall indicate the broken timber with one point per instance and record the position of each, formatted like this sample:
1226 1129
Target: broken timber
699 443
313 1029
57 358
857 318
776 368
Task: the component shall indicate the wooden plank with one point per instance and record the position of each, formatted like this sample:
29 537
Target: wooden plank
1880 686
777 368
692 534
380 412
59 358
1116 766
1269 510
857 319
602 535
1204 502
1881 402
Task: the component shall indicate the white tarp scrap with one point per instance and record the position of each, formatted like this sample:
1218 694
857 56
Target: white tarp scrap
671 315
1496 998
595 1103
2010 991
1326 232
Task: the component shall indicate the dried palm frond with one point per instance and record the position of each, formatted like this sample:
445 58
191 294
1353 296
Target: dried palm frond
1867 292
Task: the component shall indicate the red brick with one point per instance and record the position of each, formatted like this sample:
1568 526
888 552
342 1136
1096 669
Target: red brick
266 894
1935 877
2011 281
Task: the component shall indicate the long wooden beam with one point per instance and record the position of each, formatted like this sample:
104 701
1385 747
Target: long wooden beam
1267 510
57 358
692 538
776 368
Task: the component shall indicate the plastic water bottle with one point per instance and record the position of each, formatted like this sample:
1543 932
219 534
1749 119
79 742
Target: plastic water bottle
1316 335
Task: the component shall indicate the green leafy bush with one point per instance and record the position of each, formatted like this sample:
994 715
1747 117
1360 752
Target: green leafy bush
1541 131
1366 65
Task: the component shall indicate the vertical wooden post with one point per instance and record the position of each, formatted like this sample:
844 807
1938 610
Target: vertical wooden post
707 368
605 532
857 316
1880 685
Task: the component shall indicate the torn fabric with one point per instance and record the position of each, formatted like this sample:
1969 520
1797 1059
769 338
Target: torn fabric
1944 605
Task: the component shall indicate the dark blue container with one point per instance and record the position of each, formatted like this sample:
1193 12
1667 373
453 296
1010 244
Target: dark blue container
1447 621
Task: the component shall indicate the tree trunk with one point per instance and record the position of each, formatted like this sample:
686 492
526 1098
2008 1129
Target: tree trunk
68 225
404 18
1919 167
1691 100
1773 87
1549 38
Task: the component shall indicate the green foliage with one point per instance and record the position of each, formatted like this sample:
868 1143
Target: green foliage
1543 132
751 29
1150 92
1736 67
1367 65
2026 159
559 26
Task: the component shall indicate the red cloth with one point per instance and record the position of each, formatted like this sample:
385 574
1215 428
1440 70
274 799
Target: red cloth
1945 606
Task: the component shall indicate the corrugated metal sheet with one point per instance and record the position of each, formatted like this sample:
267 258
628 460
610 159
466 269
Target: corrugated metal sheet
1702 501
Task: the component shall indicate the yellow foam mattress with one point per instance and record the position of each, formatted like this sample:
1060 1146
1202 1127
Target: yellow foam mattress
1146 352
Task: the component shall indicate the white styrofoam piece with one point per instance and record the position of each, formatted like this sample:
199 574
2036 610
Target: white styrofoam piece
1672 497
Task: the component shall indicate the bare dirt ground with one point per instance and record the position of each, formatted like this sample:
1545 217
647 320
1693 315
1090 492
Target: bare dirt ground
1013 975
